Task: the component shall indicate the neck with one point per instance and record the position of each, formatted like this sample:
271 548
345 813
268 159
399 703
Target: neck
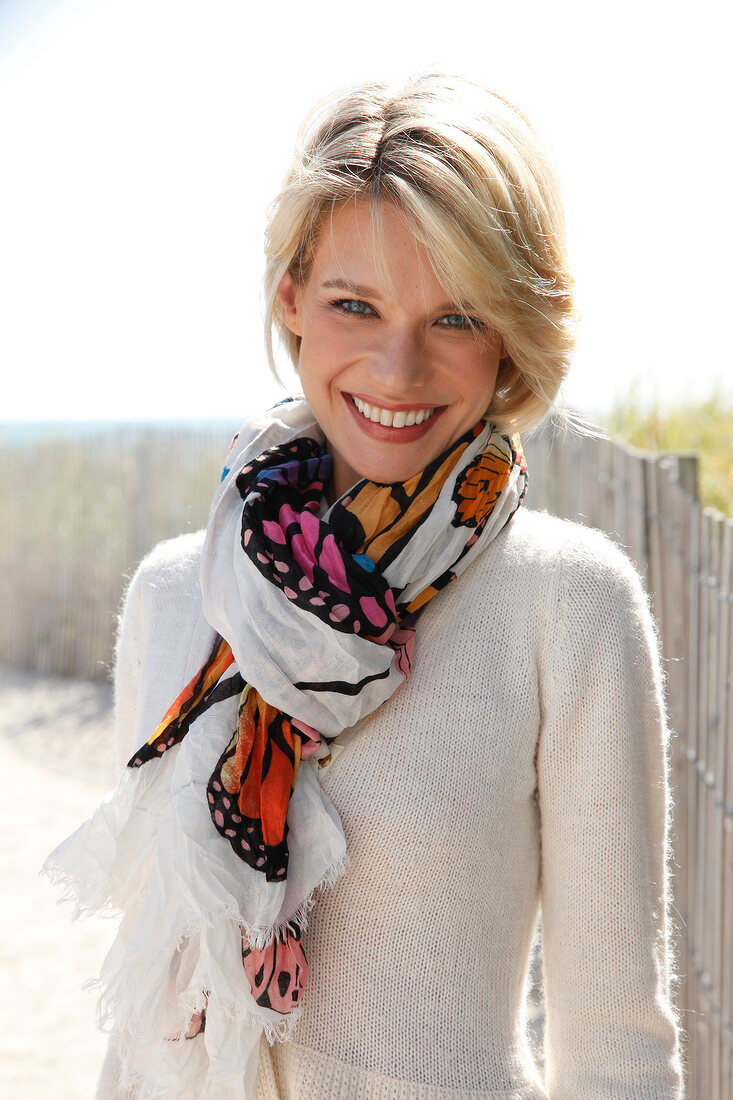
342 477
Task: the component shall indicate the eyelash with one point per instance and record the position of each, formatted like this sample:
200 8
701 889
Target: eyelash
341 305
471 323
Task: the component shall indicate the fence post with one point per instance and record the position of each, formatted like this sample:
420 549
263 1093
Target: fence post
703 828
653 539
693 751
636 512
714 816
621 495
688 473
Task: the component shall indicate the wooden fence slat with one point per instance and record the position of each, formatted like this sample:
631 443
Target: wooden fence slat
609 493
702 901
637 509
621 496
653 539
693 628
725 803
681 717
714 816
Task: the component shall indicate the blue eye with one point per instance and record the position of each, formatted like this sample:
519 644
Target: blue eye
459 321
353 306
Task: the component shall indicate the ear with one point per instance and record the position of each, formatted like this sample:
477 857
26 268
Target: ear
288 295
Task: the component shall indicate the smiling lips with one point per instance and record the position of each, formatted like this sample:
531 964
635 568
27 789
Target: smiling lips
391 418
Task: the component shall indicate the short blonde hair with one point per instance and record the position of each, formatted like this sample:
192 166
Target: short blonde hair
479 194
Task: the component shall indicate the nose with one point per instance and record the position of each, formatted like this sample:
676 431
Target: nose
401 361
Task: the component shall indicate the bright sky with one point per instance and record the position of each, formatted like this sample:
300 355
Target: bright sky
141 140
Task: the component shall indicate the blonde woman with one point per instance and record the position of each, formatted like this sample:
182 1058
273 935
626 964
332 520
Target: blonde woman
380 716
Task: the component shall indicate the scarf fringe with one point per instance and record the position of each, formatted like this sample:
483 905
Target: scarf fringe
180 1069
73 892
263 937
256 938
113 1010
181 1072
116 1013
108 868
279 1030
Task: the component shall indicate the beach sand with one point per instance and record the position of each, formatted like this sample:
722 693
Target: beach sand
56 763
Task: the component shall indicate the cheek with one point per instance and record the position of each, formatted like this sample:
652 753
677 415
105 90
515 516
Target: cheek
480 380
324 350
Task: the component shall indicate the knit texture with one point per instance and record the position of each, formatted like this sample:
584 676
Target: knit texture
523 764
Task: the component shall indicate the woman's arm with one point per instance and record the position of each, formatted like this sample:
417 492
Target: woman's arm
611 1030
128 664
162 639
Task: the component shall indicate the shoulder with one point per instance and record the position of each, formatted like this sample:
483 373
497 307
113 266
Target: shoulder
550 539
595 619
162 640
585 593
585 562
172 564
164 594
549 561
556 588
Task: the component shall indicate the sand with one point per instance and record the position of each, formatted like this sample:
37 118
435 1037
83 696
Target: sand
56 763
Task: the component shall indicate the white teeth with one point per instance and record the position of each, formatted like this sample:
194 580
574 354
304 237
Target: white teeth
390 419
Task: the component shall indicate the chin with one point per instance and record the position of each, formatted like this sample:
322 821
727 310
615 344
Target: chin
386 473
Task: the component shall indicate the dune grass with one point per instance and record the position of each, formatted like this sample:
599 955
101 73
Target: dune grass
704 426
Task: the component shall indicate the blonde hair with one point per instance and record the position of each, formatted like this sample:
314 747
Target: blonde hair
479 194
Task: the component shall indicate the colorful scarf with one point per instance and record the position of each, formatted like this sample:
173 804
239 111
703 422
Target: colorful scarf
218 835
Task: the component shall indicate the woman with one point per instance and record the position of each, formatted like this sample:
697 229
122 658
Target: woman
417 273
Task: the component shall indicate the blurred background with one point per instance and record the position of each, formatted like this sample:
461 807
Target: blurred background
140 142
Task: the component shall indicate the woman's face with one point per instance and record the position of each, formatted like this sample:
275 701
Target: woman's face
393 372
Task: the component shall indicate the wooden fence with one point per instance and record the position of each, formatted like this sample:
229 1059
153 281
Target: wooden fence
78 514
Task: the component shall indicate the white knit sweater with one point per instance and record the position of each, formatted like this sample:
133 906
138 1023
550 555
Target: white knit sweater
522 765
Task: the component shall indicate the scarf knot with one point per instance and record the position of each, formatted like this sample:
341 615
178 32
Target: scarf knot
319 566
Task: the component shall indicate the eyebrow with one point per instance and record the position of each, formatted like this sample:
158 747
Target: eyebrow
352 288
370 292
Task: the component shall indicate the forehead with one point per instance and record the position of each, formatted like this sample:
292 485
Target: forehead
372 243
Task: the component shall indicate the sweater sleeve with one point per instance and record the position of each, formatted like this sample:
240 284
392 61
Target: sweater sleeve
611 1029
128 665
162 640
